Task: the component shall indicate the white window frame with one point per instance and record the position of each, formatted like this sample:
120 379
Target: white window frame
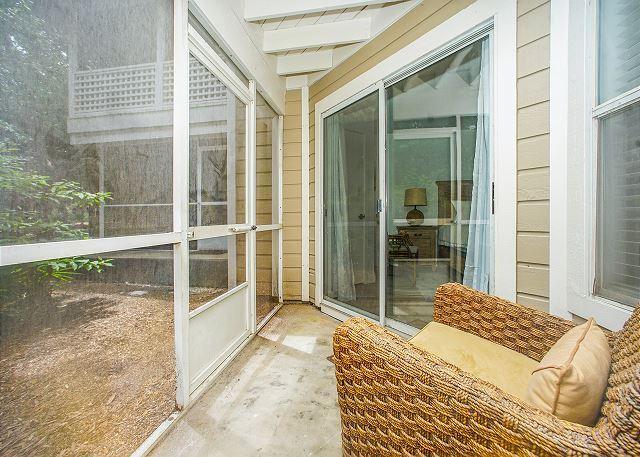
573 165
502 15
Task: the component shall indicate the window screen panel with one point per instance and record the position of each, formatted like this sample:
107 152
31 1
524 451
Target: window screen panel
619 47
618 234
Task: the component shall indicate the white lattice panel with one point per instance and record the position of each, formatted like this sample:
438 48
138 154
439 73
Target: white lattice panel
133 88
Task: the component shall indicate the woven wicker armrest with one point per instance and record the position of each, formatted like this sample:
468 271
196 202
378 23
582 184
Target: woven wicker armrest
396 399
514 326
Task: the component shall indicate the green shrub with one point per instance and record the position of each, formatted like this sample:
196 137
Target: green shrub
40 211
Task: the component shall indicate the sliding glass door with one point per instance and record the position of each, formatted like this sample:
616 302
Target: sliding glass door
438 180
389 241
351 270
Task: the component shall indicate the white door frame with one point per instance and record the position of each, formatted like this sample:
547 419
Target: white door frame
500 17
203 334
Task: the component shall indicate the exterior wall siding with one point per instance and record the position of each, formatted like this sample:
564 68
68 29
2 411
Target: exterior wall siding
292 198
532 244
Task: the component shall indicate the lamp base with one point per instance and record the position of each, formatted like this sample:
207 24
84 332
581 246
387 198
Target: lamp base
415 217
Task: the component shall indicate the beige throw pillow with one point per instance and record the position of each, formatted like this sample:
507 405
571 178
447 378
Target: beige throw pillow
571 379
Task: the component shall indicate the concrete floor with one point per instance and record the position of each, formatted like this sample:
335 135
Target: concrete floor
277 398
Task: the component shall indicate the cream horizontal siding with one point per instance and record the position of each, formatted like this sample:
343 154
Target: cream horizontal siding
312 207
292 199
529 155
532 246
534 23
533 56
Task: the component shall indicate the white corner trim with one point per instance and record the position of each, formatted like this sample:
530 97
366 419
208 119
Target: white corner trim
297 82
504 148
319 211
558 148
305 192
280 202
503 15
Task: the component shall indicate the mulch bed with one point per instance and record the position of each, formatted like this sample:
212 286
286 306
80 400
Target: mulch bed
90 373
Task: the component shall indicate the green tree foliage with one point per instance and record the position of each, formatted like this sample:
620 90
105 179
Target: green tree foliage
40 210
35 207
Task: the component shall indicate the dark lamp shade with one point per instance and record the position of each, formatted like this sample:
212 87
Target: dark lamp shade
416 196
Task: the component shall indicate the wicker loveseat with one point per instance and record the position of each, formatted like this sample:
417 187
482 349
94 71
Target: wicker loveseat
396 399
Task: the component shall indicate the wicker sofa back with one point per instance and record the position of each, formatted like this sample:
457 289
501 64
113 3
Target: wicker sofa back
398 400
619 425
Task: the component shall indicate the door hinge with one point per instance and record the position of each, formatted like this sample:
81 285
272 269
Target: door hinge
493 198
378 206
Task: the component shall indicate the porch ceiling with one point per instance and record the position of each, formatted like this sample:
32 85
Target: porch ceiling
309 37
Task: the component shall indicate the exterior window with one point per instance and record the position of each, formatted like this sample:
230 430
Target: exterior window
617 116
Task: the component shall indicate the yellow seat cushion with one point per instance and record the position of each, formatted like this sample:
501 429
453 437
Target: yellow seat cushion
509 370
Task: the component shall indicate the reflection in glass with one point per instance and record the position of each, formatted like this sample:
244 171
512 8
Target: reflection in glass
87 347
266 273
216 265
350 226
618 49
85 119
438 181
266 163
618 231
217 126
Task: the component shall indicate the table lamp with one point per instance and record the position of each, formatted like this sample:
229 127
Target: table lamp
416 196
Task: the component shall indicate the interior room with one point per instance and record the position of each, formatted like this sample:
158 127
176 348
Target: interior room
319 227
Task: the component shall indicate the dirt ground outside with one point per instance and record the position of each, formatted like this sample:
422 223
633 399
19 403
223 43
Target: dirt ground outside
90 373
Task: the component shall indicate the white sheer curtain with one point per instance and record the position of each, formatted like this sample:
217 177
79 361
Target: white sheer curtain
476 268
338 272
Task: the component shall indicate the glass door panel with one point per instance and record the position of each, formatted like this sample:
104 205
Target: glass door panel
216 268
438 182
350 225
219 274
267 290
217 149
267 210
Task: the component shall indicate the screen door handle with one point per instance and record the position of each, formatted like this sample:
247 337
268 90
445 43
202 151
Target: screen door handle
241 228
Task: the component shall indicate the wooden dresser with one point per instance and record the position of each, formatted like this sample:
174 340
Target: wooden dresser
424 237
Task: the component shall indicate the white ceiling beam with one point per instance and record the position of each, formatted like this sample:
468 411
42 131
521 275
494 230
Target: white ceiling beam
308 62
310 36
257 10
